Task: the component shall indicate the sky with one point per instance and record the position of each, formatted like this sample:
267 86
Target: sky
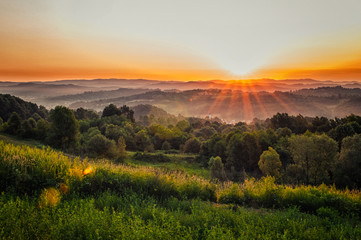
180 40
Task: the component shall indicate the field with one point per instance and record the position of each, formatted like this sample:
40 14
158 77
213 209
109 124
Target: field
47 195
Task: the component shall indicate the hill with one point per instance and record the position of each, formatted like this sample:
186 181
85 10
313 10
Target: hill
339 92
231 101
10 104
236 105
52 196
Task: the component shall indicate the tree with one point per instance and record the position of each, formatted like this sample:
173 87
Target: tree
283 132
126 111
143 142
111 110
13 124
297 124
313 157
64 128
121 146
10 104
192 145
183 125
82 114
270 163
113 131
243 152
42 127
342 131
100 146
348 167
216 146
162 132
28 128
217 168
166 145
205 132
321 124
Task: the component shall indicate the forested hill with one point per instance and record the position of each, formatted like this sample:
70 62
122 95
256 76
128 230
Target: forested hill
10 104
236 105
229 104
338 91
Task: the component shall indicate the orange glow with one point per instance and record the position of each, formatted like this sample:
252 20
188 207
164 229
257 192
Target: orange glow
43 57
339 59
87 171
259 102
340 74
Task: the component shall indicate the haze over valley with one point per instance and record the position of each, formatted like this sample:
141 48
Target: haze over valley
231 101
192 119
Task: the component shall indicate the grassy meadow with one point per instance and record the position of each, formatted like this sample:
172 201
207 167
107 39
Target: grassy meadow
48 195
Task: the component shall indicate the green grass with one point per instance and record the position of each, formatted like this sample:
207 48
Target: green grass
132 216
20 141
178 163
47 195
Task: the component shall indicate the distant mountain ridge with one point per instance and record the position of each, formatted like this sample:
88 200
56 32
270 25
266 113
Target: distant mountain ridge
237 105
338 91
229 100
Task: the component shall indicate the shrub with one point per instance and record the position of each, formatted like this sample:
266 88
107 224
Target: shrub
270 163
154 158
217 168
28 170
100 146
192 145
166 145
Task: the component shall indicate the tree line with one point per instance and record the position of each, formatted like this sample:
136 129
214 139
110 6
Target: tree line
293 149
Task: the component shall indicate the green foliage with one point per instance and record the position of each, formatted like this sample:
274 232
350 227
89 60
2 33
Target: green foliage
143 142
117 201
29 170
148 157
13 124
166 145
216 146
348 167
314 157
205 132
113 131
121 152
99 146
183 125
10 104
265 193
217 168
162 132
192 145
243 152
64 128
270 163
28 128
298 124
82 114
132 216
111 110
344 130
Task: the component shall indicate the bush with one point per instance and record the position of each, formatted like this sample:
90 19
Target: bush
270 163
166 145
154 158
192 145
217 168
100 146
29 170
